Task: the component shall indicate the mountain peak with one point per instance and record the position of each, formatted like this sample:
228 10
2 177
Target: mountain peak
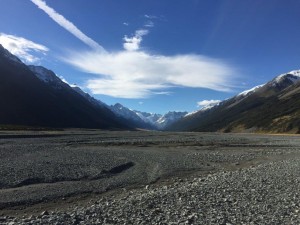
44 74
4 52
292 76
48 77
119 105
295 72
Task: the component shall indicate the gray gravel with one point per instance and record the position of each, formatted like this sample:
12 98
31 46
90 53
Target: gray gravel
236 179
266 194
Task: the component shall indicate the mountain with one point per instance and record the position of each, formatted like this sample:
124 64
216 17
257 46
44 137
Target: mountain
273 107
146 120
131 117
91 99
35 96
150 118
160 122
168 119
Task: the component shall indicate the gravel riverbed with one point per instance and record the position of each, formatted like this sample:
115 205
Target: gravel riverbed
182 179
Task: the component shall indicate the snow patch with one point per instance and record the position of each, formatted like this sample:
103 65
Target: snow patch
244 93
294 78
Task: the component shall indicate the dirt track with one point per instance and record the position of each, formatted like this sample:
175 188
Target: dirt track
52 168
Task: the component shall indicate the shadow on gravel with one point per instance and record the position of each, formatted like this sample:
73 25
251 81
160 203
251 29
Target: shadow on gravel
120 169
103 174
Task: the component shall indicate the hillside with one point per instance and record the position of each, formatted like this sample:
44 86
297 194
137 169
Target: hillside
26 100
273 107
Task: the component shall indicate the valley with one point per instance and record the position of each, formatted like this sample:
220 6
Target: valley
149 112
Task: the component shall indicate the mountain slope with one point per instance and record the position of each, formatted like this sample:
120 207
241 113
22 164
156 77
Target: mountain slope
30 100
272 107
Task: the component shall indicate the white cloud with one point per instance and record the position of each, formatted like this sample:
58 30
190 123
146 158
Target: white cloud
133 43
69 26
208 103
133 73
149 23
126 24
150 16
137 74
22 47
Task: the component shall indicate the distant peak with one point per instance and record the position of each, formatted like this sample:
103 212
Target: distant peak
118 105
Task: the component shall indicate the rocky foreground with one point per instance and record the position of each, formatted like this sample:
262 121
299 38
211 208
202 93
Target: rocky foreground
265 191
266 194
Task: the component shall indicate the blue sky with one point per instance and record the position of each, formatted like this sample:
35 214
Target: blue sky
156 56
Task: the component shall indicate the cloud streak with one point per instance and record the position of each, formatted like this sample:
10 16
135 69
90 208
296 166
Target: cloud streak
22 47
69 26
135 73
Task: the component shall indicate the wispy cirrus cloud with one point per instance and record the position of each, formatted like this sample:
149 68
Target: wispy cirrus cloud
69 26
149 24
135 73
23 48
150 16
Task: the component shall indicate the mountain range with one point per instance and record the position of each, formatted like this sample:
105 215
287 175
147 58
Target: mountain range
273 107
36 97
33 96
146 120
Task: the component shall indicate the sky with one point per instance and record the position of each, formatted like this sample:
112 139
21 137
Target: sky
156 55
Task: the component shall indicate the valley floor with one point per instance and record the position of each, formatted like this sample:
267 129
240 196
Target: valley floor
100 177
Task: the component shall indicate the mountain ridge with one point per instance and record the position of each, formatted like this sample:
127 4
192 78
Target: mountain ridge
147 120
28 101
260 109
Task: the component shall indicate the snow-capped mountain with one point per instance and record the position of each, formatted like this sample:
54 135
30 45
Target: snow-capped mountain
250 91
125 112
130 116
134 118
292 76
147 120
34 96
150 118
168 119
51 79
271 107
281 81
48 77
